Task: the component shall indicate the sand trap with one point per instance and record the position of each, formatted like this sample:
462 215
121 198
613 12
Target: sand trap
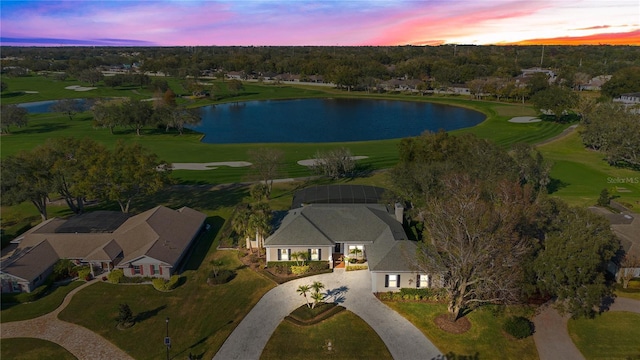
80 88
209 165
31 92
524 119
310 162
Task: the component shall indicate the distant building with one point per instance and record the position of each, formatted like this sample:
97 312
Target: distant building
152 244
629 98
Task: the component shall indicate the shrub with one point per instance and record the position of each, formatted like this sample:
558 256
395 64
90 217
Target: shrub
318 266
299 270
357 267
115 276
518 327
84 272
125 316
64 269
222 277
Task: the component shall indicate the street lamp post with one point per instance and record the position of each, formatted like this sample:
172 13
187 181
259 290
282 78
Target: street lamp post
167 340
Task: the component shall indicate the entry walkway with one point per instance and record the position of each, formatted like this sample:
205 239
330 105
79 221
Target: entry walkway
79 341
353 291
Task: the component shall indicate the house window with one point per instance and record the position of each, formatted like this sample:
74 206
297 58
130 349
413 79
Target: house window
315 254
16 286
136 269
356 251
155 269
392 281
423 281
284 254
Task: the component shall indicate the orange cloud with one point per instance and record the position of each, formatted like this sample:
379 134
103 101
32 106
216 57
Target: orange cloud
627 38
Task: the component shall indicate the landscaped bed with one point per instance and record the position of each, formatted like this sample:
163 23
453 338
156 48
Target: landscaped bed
306 315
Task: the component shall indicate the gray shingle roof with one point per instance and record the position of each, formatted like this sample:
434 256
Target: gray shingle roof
386 244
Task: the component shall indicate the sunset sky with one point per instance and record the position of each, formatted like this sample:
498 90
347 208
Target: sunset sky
328 22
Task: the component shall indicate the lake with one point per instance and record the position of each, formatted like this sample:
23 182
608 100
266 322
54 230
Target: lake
327 120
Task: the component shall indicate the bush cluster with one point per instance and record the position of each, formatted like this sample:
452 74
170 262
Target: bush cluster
411 294
84 272
164 285
115 276
299 270
519 327
356 267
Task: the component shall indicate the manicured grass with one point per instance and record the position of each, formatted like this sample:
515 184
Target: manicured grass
611 335
188 148
485 339
632 292
579 175
33 349
201 316
350 337
42 306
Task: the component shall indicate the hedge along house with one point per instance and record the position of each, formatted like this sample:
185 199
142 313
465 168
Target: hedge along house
152 243
363 230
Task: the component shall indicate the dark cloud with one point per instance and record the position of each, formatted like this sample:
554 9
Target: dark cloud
595 27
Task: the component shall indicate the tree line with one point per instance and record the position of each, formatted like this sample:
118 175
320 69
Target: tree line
81 169
346 66
490 232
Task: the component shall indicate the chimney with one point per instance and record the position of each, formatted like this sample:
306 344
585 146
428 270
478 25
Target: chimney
400 213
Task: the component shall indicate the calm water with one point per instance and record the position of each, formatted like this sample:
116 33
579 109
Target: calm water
44 107
327 120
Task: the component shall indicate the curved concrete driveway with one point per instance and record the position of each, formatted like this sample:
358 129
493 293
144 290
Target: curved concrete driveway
353 291
79 341
552 337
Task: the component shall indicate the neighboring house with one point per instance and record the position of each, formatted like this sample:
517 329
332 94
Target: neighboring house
530 72
595 84
629 98
152 243
332 231
626 226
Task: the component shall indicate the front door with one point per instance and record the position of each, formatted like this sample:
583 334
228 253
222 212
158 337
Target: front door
338 248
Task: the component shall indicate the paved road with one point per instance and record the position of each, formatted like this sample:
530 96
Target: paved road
552 337
79 341
353 290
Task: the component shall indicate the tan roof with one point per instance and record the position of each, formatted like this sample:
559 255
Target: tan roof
106 252
173 231
29 262
160 233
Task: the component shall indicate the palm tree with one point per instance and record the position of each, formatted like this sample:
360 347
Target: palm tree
240 223
304 290
260 221
317 298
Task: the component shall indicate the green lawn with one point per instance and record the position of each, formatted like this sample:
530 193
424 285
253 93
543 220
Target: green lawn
42 306
350 337
201 316
579 175
188 148
485 339
33 349
611 335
